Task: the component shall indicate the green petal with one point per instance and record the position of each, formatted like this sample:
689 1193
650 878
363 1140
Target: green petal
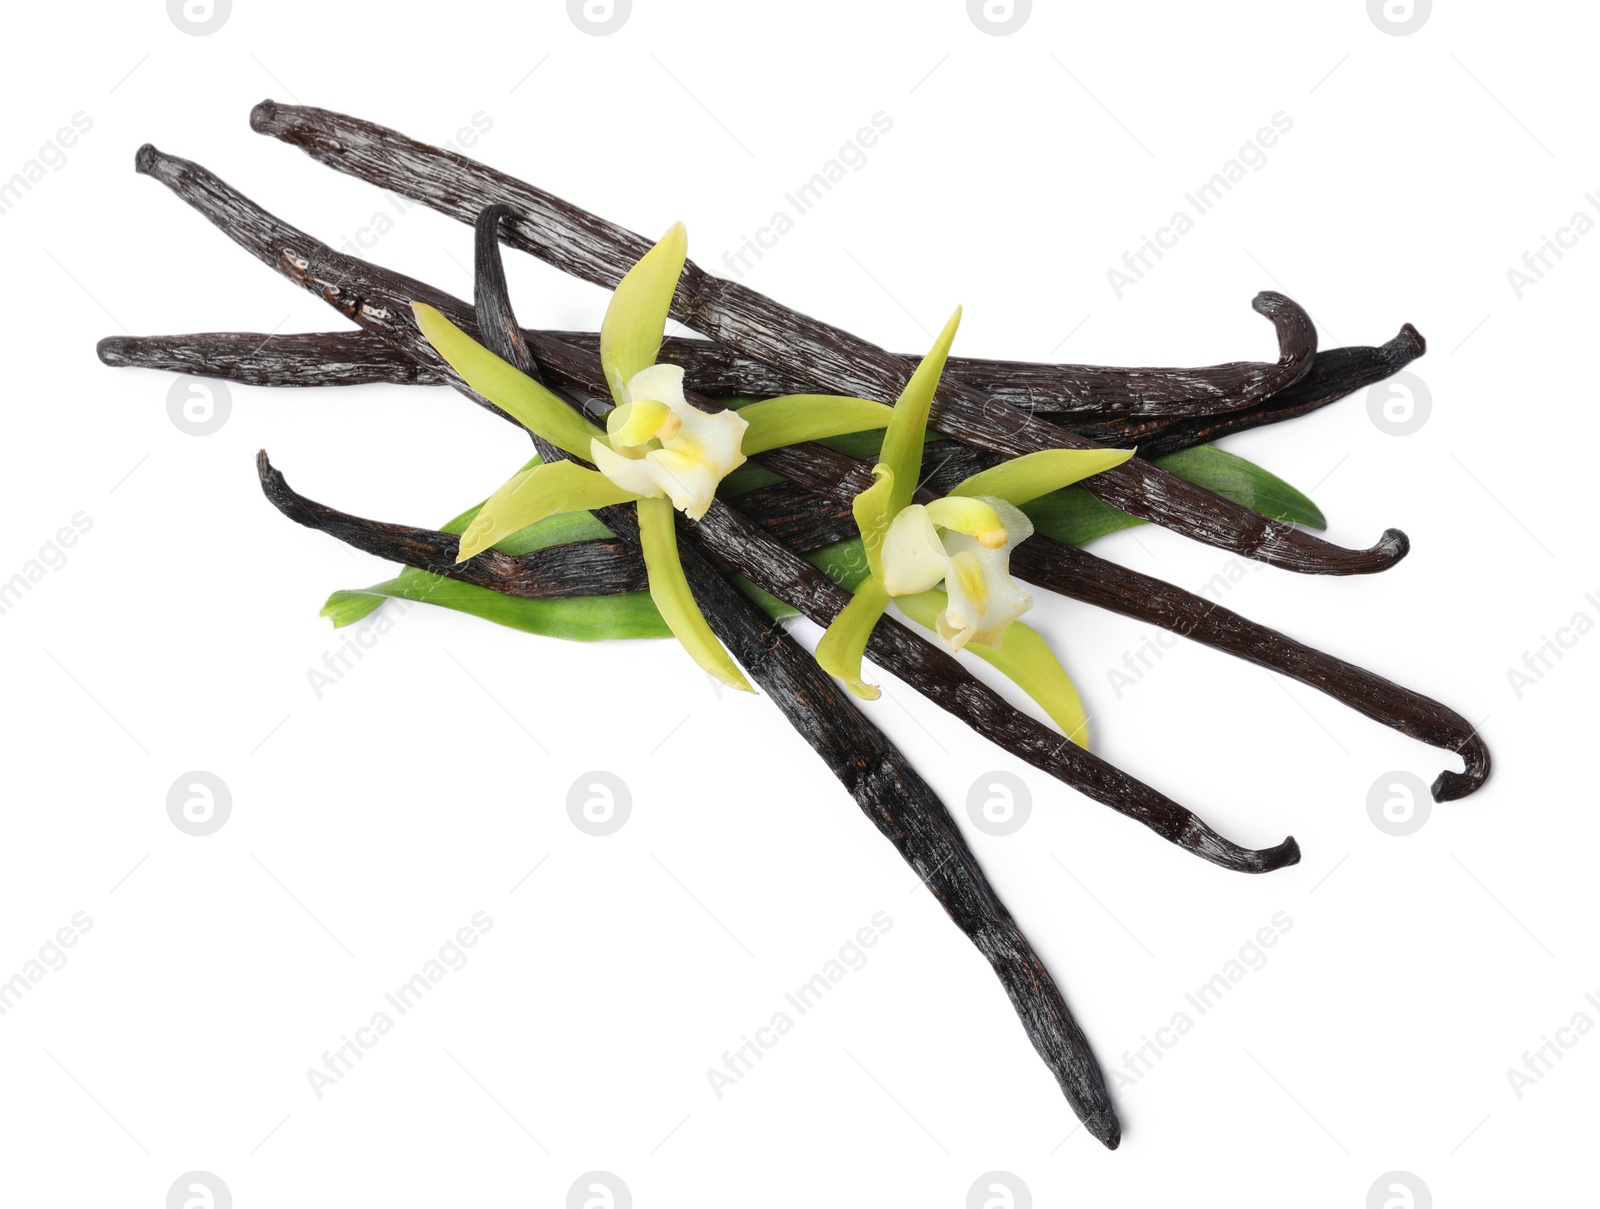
1024 657
789 419
636 318
504 385
1034 474
902 441
873 514
533 494
669 588
845 640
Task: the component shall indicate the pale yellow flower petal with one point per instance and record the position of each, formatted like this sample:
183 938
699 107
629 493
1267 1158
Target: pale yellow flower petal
631 474
913 558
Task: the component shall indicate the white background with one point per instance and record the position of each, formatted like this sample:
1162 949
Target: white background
372 822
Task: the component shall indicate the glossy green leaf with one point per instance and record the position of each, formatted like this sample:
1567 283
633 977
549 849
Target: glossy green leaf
636 317
507 387
1243 481
1076 517
577 618
669 588
531 495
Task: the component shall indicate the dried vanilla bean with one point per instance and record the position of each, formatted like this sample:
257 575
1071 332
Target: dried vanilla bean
738 545
258 359
379 301
601 252
806 521
1074 390
351 358
1080 575
890 792
1334 374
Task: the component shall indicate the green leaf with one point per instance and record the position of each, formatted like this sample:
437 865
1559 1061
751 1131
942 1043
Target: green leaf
1074 516
789 419
636 317
1071 515
1244 482
506 386
578 618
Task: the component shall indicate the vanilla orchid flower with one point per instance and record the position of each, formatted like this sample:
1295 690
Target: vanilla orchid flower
657 444
696 458
658 451
966 543
946 564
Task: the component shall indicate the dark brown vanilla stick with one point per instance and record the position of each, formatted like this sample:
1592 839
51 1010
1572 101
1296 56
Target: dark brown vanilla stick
299 359
1078 574
353 358
1070 390
1334 374
379 301
597 251
889 791
740 546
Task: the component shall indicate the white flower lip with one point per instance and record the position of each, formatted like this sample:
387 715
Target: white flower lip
696 449
983 598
